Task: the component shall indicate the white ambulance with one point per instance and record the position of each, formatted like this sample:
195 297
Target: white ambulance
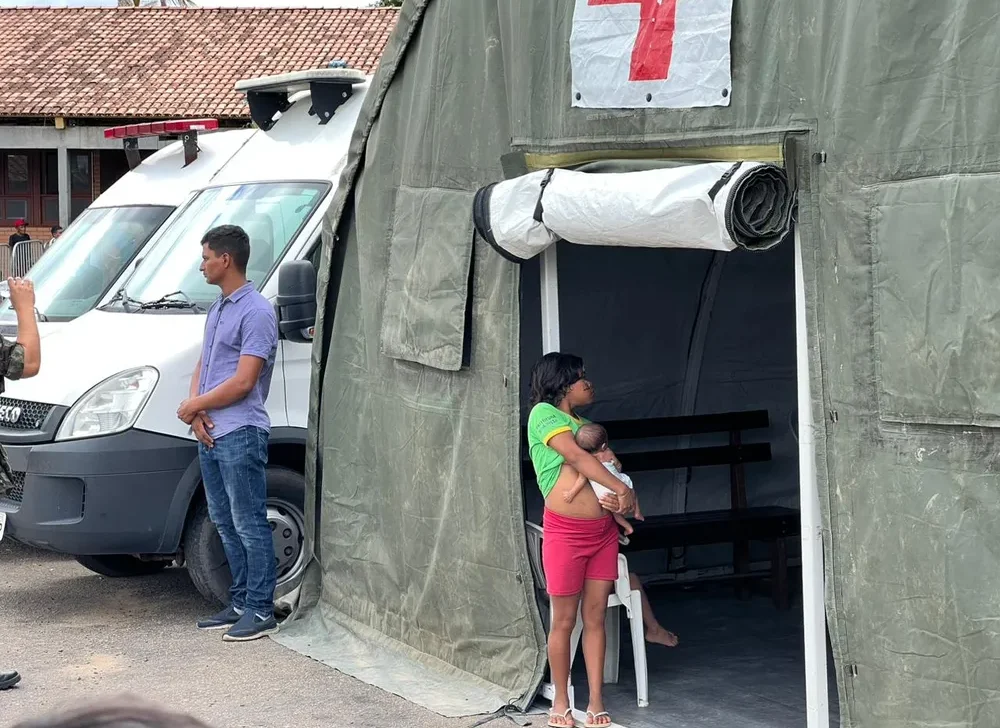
106 472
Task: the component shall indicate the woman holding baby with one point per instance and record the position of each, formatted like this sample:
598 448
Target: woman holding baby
580 543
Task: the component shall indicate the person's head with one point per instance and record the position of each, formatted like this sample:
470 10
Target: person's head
593 438
56 231
558 378
20 225
225 252
125 712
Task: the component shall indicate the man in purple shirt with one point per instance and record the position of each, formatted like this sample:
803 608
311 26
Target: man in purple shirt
227 413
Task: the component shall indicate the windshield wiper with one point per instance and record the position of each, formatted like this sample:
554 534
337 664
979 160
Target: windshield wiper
168 302
121 295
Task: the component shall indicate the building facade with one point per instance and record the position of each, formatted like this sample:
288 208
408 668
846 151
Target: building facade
69 73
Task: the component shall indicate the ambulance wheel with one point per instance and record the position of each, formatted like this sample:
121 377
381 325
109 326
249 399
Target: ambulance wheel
121 566
206 559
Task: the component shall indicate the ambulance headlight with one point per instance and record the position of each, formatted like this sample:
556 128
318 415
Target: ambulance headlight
112 406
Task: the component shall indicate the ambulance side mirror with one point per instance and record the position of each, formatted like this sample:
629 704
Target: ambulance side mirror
297 301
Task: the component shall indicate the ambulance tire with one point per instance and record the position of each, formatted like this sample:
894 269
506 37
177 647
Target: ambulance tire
206 560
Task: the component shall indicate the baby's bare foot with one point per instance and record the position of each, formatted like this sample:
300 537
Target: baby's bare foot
626 526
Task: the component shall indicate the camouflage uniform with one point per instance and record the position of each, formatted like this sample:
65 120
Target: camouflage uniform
11 367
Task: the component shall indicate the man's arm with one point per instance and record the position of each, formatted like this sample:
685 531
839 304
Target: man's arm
259 334
200 422
27 337
27 361
195 379
233 389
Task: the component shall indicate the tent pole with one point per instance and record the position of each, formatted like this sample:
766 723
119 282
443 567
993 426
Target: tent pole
813 609
549 286
550 300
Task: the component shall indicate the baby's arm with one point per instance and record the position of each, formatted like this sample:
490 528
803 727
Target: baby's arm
614 459
573 492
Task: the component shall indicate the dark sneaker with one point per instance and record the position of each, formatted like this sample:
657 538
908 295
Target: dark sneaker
9 679
226 618
251 627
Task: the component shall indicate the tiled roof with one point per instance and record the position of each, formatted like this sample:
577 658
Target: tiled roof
163 62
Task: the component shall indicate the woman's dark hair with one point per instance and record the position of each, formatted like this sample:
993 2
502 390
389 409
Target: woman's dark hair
553 375
121 712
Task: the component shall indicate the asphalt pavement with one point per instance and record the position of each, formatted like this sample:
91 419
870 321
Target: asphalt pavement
75 636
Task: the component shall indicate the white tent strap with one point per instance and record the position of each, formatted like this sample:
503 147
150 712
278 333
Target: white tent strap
713 206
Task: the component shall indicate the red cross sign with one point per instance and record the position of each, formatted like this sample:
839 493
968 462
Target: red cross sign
650 54
654 43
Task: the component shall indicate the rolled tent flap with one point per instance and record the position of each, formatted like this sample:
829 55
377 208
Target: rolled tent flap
712 206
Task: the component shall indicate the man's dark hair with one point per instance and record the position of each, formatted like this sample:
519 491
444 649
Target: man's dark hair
231 239
123 712
55 229
553 375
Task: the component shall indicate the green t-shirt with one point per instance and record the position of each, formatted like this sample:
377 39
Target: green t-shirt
544 423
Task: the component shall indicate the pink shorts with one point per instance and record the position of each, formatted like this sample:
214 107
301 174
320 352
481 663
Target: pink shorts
576 549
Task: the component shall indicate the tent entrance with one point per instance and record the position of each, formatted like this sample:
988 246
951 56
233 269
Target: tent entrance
669 333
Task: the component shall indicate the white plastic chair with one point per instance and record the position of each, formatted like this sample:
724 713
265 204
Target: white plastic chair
622 595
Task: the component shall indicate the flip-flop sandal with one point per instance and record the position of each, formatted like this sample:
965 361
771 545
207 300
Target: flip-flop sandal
565 716
592 720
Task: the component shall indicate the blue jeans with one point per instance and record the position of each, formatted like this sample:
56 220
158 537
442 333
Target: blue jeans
236 488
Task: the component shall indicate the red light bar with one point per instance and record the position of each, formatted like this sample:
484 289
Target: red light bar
161 128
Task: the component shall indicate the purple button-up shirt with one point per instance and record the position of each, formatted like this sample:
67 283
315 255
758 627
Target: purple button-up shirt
240 324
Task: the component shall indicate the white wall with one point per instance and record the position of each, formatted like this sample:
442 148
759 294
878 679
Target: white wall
72 137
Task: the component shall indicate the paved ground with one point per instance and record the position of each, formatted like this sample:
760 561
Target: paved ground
76 636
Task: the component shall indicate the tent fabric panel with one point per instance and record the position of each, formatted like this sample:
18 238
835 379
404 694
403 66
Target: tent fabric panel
366 654
936 298
427 291
887 95
880 554
416 469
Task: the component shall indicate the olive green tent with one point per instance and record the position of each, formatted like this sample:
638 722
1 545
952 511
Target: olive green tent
886 116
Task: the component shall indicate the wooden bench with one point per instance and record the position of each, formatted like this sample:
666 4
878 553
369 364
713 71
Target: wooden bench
739 524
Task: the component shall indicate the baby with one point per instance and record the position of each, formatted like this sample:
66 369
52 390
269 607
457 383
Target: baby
594 439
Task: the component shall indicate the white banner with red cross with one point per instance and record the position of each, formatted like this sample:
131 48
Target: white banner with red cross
673 54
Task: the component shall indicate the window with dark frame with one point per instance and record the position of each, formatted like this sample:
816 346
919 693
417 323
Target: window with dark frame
15 187
50 188
29 186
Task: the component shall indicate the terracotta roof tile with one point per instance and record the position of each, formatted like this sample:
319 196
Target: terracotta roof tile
165 62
